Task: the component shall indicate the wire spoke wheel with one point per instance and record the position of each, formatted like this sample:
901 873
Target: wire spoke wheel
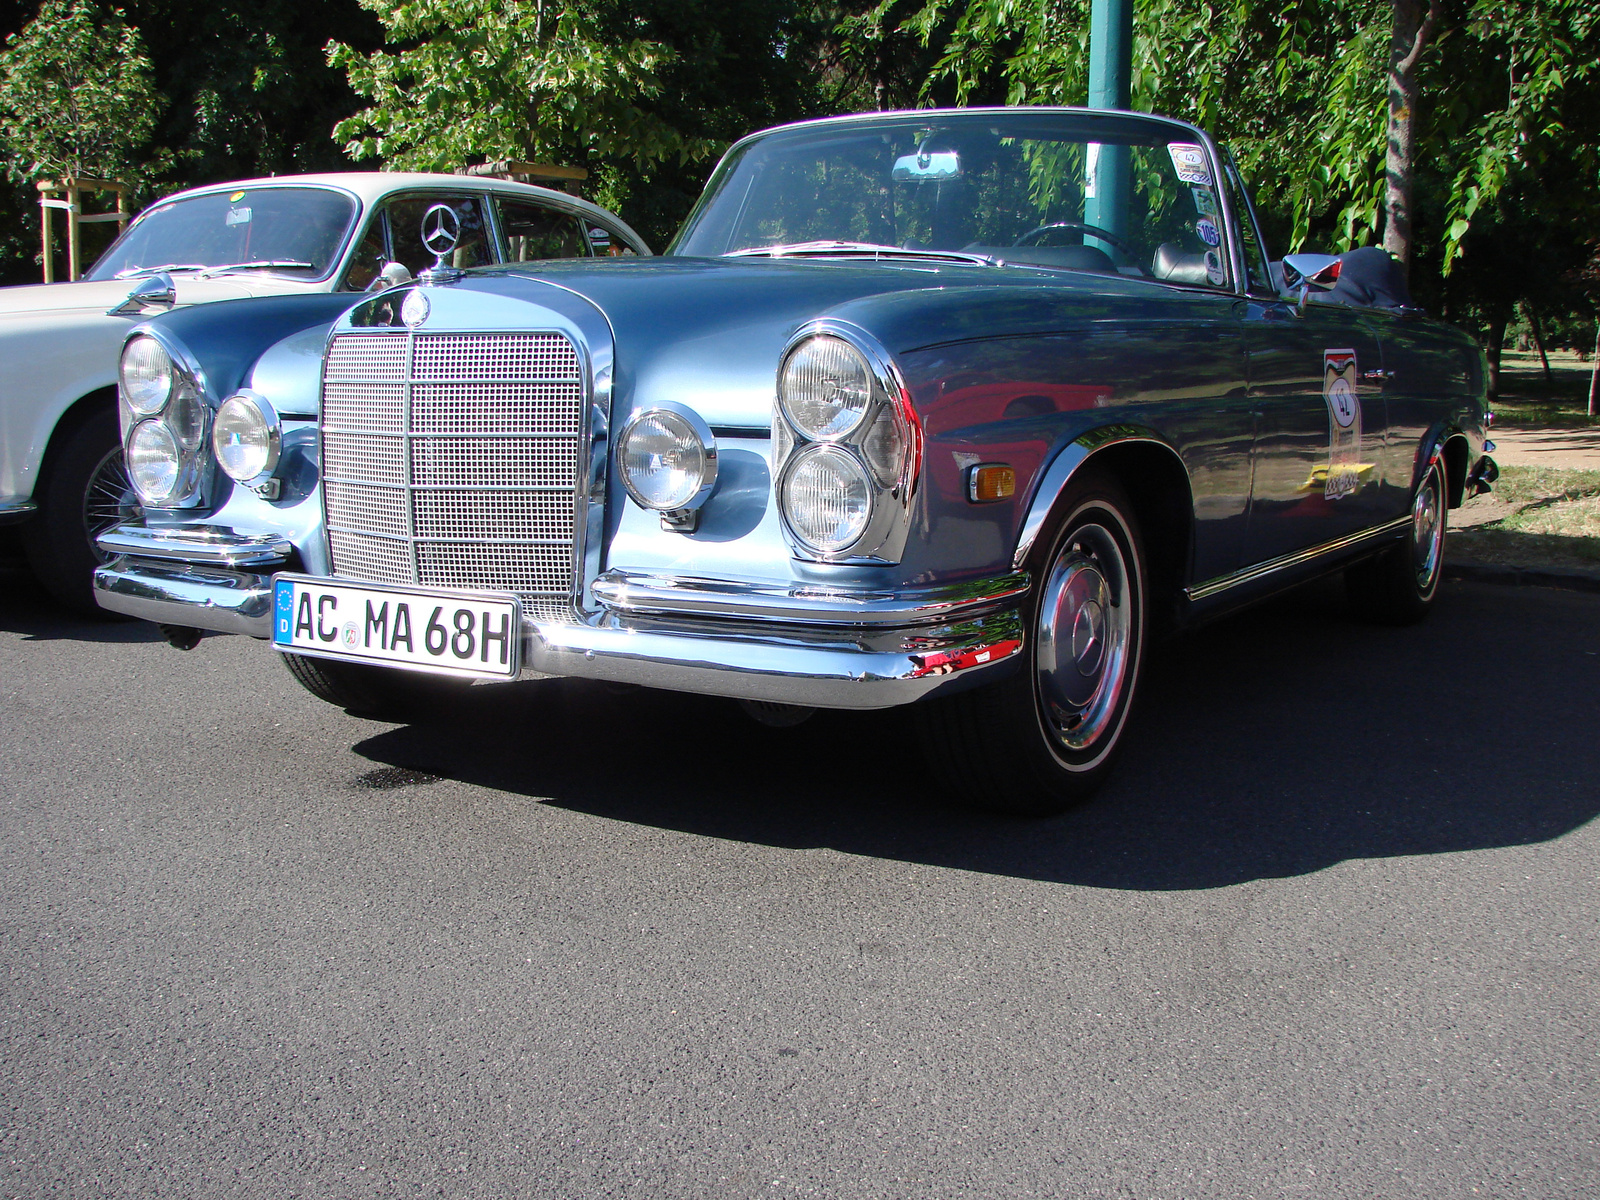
108 499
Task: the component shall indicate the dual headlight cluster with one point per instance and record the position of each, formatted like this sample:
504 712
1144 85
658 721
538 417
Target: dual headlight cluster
845 447
166 421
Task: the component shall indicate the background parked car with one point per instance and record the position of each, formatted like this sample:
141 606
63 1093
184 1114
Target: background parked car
62 480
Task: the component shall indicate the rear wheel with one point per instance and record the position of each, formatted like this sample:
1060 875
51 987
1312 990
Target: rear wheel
84 493
382 693
1398 587
1044 739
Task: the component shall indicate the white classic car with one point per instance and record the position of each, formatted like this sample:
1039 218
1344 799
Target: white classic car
62 480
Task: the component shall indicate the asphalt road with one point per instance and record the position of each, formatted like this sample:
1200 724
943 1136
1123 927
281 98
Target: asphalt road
1331 932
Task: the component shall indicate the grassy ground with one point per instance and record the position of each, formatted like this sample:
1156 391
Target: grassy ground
1535 517
1527 399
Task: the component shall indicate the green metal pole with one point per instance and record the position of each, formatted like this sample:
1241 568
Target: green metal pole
1110 86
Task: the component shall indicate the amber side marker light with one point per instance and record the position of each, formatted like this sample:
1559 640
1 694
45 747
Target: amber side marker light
988 482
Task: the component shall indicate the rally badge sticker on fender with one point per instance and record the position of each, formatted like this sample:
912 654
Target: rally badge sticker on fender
1346 472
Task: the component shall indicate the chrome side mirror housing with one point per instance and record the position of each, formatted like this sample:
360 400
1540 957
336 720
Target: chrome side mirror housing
1304 272
154 290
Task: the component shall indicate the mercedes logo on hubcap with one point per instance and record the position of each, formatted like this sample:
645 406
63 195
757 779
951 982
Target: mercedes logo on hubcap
441 230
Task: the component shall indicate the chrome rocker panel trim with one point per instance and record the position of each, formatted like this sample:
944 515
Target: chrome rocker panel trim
201 596
212 545
822 666
636 593
13 510
1272 566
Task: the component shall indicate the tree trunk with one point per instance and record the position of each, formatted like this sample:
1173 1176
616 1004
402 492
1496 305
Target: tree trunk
1412 28
1497 335
1538 343
1594 373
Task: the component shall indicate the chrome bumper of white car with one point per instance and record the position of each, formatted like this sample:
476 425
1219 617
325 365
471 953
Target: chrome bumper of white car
14 509
825 649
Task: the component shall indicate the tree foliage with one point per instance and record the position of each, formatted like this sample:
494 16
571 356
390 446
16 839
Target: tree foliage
76 95
487 79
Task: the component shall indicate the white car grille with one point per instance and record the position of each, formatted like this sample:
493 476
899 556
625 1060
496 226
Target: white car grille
453 460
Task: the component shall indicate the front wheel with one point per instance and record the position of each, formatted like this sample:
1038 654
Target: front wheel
382 693
1398 587
1044 739
84 493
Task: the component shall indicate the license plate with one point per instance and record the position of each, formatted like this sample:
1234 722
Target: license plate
421 629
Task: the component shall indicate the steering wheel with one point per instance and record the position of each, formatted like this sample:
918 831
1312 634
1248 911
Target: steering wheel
1105 235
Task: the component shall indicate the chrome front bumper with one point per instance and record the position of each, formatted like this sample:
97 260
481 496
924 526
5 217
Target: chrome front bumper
826 649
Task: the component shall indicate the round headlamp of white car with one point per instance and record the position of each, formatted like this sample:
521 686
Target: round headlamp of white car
668 458
147 375
246 437
827 498
155 463
825 388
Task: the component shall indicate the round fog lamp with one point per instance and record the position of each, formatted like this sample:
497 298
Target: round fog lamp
155 464
827 498
666 461
245 437
147 375
826 387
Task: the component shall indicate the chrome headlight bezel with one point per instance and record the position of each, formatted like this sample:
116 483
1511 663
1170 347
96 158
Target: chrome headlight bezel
667 413
884 441
263 419
185 413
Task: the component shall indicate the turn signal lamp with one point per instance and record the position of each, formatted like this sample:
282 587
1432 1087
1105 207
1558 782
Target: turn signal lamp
989 482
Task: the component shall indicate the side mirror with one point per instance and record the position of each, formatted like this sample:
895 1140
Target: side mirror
157 289
1304 272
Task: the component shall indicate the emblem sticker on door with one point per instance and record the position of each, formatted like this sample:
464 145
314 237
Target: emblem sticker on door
1346 472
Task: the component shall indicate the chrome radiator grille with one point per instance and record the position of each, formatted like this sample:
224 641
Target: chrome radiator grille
453 459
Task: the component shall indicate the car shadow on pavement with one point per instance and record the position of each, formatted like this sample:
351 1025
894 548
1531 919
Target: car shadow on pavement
26 608
1274 743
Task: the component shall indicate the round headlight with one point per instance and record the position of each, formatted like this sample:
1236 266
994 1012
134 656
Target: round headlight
155 464
147 376
246 437
827 498
666 461
826 387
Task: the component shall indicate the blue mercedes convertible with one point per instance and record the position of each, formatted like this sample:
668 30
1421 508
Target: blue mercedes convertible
952 408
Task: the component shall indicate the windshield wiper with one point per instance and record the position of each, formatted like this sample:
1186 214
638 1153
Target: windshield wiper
130 272
836 249
261 264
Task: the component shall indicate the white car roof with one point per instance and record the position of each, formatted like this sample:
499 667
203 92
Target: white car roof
372 186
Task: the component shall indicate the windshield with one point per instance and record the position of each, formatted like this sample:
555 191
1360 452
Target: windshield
289 230
1114 195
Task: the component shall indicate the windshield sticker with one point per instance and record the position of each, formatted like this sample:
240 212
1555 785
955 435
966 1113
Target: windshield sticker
1204 202
235 198
237 216
1190 163
1207 229
1345 472
1214 271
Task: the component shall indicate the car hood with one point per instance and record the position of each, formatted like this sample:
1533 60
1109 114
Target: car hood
708 333
97 295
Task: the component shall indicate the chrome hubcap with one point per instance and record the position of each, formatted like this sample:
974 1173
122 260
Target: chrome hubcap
1427 529
1082 645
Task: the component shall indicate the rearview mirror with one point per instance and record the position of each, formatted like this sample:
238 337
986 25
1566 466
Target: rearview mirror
1304 272
927 166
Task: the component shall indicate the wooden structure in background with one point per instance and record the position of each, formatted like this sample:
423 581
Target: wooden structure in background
67 195
526 172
